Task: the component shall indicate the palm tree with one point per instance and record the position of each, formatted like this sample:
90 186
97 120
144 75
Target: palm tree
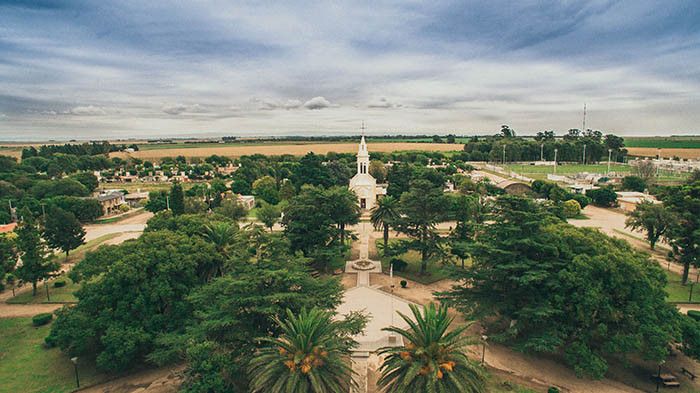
310 355
433 360
384 214
221 235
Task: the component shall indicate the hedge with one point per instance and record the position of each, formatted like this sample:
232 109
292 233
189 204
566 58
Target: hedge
42 319
694 314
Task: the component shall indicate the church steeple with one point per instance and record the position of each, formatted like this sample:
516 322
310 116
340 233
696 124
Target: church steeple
362 154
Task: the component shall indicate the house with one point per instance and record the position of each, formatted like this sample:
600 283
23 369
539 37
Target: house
248 201
111 201
628 200
134 199
227 170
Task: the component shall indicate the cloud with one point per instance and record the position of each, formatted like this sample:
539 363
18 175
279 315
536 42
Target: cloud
267 104
89 110
176 109
317 103
383 102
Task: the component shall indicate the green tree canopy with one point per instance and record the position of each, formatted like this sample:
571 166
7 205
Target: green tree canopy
177 199
62 230
653 218
36 263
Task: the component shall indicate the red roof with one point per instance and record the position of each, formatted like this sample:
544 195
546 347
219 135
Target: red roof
8 227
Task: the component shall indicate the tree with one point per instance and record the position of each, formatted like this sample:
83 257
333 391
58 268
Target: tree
232 209
432 359
63 231
35 263
603 197
378 171
221 235
265 188
157 201
177 199
310 355
268 214
507 132
243 304
552 287
645 169
633 183
149 277
87 179
384 213
8 254
684 234
307 223
421 208
653 218
287 190
342 207
571 208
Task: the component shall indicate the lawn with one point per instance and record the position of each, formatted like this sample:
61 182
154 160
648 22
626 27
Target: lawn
435 271
541 171
58 295
679 293
28 367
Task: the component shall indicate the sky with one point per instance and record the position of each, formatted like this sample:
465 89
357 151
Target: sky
147 69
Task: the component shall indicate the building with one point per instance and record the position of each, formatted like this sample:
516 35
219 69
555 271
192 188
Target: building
364 184
628 200
111 201
7 228
248 201
136 199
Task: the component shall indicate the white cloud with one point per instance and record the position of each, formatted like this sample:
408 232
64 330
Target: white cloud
176 109
383 102
317 103
89 110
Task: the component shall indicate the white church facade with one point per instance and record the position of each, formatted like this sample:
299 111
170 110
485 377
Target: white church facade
363 184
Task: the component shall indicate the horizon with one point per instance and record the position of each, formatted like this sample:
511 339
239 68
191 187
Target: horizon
77 70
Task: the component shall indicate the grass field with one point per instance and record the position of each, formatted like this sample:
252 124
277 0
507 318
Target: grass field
541 171
435 270
144 186
27 367
57 295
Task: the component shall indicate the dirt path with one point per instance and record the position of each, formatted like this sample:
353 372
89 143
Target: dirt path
161 380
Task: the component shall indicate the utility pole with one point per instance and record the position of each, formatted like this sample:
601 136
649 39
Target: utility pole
609 155
584 118
584 154
167 202
555 161
504 154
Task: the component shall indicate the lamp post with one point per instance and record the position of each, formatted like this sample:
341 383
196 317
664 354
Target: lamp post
483 349
555 161
46 285
583 159
75 367
504 154
542 152
690 296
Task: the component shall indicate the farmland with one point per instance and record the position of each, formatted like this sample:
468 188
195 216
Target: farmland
665 142
665 152
288 148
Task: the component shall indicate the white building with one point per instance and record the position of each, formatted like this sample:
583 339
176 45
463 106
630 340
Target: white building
363 184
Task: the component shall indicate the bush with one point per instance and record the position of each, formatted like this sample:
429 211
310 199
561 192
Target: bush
399 264
582 200
553 389
59 284
604 197
42 319
403 283
633 183
694 314
124 208
571 208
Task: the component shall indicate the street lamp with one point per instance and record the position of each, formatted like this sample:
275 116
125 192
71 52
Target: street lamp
555 161
483 350
504 154
584 154
75 367
609 155
542 152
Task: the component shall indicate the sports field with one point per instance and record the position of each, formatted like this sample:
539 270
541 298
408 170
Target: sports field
541 171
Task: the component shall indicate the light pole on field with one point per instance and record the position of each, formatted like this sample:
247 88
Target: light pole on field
609 155
584 154
555 161
504 154
75 367
542 152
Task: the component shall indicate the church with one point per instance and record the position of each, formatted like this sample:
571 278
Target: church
363 184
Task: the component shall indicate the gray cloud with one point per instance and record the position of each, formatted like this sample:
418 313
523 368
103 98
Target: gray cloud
89 110
317 103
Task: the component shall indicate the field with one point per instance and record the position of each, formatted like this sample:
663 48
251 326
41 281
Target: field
665 152
664 142
541 171
288 148
28 367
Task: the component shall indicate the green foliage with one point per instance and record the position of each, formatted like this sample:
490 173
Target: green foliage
633 183
684 234
690 330
42 319
84 209
8 255
177 199
231 209
87 179
653 218
403 283
554 287
287 191
36 264
694 314
62 230
398 264
432 358
311 354
51 188
265 188
553 389
603 197
149 277
269 214
157 201
384 214
582 200
571 208
59 283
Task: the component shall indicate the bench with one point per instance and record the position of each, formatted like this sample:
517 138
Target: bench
688 373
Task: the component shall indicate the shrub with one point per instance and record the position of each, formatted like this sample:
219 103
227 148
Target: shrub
553 389
399 264
403 283
42 319
59 284
633 183
582 200
694 314
571 208
124 208
604 197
